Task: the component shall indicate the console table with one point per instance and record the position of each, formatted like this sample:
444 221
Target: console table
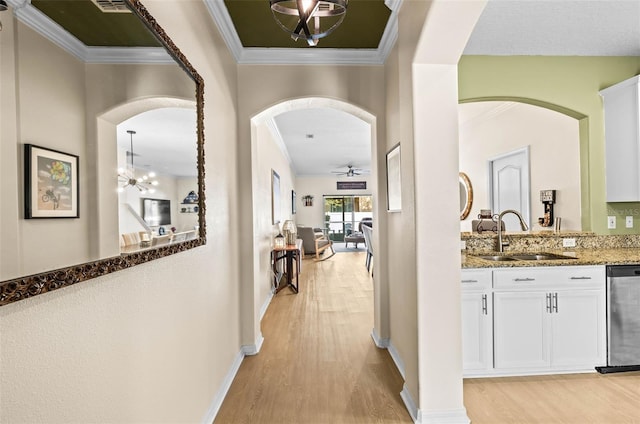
291 259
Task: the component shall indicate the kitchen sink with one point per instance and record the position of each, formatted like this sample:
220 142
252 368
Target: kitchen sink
539 256
495 258
525 257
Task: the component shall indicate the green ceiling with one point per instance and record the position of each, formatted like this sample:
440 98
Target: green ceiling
95 28
362 28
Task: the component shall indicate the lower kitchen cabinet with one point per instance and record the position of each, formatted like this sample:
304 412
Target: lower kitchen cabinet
476 332
521 330
477 321
534 321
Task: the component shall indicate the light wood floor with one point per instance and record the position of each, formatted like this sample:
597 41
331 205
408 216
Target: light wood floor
557 399
319 365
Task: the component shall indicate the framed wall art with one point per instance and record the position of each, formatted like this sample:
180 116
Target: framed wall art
394 187
275 198
51 183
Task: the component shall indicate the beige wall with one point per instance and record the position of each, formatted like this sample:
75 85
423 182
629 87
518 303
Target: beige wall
269 158
554 141
153 343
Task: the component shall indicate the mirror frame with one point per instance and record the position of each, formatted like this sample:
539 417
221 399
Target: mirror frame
464 180
25 287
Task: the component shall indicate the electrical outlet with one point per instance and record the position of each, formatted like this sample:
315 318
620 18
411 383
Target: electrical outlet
568 242
611 222
463 244
629 222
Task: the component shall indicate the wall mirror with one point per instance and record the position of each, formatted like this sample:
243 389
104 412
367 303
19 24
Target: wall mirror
69 101
466 195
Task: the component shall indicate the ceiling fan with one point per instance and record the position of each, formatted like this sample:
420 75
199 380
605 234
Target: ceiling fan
351 171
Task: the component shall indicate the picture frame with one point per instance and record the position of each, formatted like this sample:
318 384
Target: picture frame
293 202
276 208
394 183
51 183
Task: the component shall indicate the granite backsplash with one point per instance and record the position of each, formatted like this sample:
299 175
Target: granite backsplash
546 240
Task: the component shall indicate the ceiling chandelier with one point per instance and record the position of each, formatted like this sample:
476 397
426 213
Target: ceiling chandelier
309 20
127 177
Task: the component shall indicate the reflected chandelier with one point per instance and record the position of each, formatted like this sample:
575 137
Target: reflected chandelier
309 20
127 177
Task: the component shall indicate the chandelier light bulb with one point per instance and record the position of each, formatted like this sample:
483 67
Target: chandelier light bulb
127 176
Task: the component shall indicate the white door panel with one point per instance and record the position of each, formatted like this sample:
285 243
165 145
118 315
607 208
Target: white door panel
510 186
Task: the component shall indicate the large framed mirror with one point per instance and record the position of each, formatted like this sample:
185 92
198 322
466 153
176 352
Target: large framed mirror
108 112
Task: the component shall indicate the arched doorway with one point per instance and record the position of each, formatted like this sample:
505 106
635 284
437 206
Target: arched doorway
259 294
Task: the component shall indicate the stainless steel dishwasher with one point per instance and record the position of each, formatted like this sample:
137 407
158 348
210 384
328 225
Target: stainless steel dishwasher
623 319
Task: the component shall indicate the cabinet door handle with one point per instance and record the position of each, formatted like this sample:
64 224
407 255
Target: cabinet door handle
524 279
469 281
484 304
549 302
580 278
555 302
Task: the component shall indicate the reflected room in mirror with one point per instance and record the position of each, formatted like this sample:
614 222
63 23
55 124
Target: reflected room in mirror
82 101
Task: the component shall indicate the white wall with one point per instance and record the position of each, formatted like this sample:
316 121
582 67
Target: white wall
313 216
152 343
554 156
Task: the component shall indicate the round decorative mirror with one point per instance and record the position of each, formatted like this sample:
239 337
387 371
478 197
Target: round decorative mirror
466 196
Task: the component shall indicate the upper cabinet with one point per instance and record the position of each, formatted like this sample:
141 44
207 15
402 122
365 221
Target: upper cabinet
622 140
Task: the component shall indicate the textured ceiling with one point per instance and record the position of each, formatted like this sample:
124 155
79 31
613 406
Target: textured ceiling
557 28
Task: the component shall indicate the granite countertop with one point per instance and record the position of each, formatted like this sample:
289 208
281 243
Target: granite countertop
617 256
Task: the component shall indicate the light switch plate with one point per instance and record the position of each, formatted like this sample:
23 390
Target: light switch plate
629 222
611 222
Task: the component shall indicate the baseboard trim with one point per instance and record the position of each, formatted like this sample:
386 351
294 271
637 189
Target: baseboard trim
453 416
265 305
409 403
253 349
222 392
381 343
395 355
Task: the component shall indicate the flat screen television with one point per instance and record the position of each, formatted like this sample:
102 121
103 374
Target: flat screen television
156 211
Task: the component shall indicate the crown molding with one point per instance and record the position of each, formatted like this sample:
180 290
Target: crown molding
303 56
43 25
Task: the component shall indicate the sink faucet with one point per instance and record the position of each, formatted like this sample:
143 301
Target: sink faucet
502 244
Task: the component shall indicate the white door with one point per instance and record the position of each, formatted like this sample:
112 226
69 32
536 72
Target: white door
521 330
476 332
509 186
578 337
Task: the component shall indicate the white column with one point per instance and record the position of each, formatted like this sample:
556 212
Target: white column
435 116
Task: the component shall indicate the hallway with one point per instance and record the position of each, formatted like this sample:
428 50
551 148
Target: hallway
318 363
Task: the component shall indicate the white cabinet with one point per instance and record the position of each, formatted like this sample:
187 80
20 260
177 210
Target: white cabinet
533 320
578 328
549 318
521 330
477 339
622 140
